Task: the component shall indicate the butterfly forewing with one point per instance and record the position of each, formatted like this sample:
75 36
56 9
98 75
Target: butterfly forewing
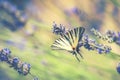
81 31
62 44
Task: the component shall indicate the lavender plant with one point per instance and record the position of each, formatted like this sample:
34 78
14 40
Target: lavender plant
91 44
110 36
68 38
22 68
118 68
58 30
12 17
85 42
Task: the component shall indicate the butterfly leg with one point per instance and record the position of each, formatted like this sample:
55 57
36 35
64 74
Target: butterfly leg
80 55
77 57
78 51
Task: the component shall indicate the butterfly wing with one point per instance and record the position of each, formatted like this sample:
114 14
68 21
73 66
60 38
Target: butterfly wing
69 40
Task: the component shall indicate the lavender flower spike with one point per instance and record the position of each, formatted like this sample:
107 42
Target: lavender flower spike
58 30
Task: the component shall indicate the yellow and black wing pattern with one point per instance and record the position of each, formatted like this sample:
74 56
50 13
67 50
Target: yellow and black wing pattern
69 41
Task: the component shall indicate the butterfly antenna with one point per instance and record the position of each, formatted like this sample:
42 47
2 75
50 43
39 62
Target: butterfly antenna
77 57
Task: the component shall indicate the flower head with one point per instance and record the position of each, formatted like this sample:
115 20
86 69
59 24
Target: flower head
58 30
91 44
118 39
118 68
4 54
15 62
26 68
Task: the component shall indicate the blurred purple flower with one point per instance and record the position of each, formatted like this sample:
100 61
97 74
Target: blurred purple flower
118 68
92 45
58 30
15 62
80 13
118 39
20 67
4 54
100 6
115 12
26 68
11 9
76 11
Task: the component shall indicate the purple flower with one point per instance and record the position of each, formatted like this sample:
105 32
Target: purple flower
110 34
3 57
22 68
15 62
26 68
100 6
118 39
35 78
76 11
107 49
118 68
58 30
100 51
4 54
92 45
6 51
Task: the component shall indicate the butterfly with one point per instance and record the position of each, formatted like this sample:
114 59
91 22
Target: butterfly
70 41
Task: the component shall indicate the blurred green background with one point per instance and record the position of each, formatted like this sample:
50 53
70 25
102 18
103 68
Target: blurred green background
26 29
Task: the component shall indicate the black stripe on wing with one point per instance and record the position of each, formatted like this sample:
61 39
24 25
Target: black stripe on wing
66 36
81 31
76 32
71 35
